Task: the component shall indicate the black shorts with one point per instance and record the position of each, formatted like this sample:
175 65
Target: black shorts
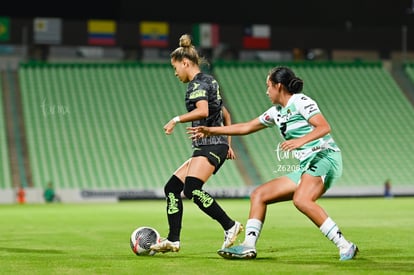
216 154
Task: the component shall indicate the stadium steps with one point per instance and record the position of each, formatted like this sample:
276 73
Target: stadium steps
5 174
371 119
407 73
100 126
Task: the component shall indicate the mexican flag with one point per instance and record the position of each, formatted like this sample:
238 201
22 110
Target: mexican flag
206 35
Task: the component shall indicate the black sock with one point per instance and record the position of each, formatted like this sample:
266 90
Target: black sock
172 191
193 191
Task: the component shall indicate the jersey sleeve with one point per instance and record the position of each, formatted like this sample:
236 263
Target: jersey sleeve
307 107
270 117
199 92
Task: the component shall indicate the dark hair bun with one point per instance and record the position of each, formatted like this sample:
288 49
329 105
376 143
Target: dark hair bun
295 85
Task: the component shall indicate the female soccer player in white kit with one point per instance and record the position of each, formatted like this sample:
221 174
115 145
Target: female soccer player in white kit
306 133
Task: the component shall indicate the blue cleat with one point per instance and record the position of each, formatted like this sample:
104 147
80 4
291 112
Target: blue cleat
238 252
349 254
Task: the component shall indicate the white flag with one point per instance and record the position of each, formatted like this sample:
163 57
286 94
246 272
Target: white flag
47 30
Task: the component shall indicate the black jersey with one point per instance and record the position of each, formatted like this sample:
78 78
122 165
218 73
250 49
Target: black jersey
205 87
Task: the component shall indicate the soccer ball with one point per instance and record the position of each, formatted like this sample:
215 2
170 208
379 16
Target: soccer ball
142 238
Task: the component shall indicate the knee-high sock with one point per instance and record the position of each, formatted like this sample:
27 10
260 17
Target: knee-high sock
193 191
172 191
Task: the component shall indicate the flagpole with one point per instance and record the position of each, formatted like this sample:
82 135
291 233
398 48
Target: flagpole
24 43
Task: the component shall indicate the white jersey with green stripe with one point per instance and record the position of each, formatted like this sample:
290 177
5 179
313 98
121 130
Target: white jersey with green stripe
293 122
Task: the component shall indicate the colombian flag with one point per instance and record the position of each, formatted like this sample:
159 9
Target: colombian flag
101 32
154 34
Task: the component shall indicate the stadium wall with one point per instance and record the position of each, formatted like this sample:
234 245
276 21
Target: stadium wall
77 195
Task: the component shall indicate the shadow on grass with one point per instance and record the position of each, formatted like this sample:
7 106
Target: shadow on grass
29 250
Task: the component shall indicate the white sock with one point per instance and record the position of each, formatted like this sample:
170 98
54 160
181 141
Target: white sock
332 232
252 232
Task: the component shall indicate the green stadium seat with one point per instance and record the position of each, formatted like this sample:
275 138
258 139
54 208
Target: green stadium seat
371 119
100 126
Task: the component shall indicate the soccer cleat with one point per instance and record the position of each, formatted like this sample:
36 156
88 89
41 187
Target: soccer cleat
349 253
230 235
165 245
238 252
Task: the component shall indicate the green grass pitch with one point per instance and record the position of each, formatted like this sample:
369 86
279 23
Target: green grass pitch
94 239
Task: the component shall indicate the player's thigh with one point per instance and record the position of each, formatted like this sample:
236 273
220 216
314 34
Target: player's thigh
310 188
201 168
181 172
275 190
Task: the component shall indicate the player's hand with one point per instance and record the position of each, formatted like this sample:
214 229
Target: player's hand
169 127
197 132
231 154
290 145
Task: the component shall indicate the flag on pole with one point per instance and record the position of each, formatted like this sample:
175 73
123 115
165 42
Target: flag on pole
206 35
4 28
101 32
47 30
154 34
257 37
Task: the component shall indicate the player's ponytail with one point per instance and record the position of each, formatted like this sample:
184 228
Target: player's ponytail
287 77
187 50
295 85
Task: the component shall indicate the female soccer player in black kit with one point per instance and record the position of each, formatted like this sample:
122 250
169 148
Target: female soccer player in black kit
205 108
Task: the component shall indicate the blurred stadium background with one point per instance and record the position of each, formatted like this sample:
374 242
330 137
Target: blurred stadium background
87 87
